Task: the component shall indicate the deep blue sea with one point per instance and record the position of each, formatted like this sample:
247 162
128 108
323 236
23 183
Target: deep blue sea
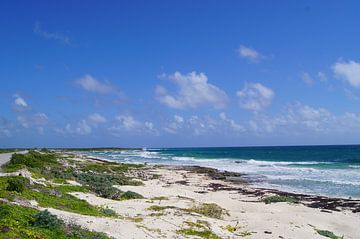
321 170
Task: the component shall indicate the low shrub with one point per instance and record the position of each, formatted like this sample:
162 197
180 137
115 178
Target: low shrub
328 234
278 198
130 195
44 219
16 184
109 212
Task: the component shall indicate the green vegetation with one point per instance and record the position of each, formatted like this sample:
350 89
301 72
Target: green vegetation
200 233
2 151
203 234
48 197
45 219
28 223
233 229
209 209
16 184
278 198
159 208
328 234
130 195
161 198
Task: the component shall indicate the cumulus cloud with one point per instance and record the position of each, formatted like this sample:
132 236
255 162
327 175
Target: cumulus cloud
80 128
303 119
20 104
194 90
36 119
175 124
249 53
89 83
231 123
57 36
96 118
255 96
348 71
127 123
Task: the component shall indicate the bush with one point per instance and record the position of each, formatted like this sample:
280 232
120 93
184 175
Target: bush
45 219
32 160
278 198
16 184
109 212
328 234
130 195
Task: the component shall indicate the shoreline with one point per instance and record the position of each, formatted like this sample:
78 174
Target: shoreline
311 200
162 201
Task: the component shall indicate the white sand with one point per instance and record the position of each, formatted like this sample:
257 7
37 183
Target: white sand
281 219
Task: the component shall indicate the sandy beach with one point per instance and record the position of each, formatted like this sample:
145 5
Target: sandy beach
172 196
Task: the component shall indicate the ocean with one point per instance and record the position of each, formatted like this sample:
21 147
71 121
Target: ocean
320 170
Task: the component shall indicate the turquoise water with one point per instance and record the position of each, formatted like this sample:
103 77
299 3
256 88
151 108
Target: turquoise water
321 170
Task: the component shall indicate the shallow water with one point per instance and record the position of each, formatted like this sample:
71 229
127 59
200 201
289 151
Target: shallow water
321 170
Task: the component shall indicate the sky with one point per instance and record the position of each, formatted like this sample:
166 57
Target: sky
179 73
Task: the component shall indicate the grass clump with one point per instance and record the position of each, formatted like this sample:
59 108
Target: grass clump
161 198
278 198
233 229
209 209
200 233
328 234
157 208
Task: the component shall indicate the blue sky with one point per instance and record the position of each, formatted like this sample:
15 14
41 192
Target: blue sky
179 73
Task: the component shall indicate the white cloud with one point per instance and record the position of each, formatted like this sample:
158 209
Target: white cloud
149 125
307 79
127 122
322 77
193 91
249 53
91 84
20 104
57 36
348 71
81 128
303 119
231 123
175 125
96 118
255 96
5 127
29 120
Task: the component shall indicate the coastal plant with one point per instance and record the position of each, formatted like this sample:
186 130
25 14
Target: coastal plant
328 234
130 195
28 223
209 209
16 184
280 198
45 219
199 233
159 208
